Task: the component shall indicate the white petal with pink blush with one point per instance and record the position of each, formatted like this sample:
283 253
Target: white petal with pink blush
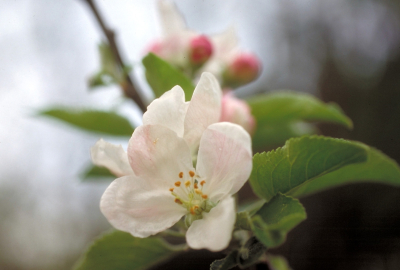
164 184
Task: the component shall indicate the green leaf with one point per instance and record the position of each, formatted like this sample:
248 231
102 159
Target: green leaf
121 251
286 106
92 120
226 263
379 168
277 262
271 136
162 76
276 218
95 172
301 160
110 72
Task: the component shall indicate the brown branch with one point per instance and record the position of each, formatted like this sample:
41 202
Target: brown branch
128 87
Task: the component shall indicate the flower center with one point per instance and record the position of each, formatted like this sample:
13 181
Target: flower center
188 192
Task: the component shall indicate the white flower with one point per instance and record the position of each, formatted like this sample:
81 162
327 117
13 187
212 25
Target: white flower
165 185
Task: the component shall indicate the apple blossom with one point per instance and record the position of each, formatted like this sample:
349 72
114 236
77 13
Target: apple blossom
237 111
164 184
232 66
178 45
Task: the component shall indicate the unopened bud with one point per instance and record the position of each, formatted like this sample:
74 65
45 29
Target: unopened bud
244 68
236 111
200 50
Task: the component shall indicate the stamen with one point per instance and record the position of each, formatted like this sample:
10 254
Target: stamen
178 201
187 183
204 196
193 209
171 189
202 183
191 173
178 183
198 191
181 175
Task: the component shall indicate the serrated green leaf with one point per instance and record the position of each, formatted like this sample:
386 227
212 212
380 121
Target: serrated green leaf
379 168
276 218
301 160
92 120
287 106
121 251
226 263
95 172
277 262
162 76
271 136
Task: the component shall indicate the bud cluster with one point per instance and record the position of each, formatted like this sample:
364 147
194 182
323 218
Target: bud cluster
192 52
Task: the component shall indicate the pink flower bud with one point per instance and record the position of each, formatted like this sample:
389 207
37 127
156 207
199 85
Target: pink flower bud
200 49
155 47
244 68
236 111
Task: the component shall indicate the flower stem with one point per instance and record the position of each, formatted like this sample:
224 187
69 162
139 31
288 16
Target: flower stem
128 88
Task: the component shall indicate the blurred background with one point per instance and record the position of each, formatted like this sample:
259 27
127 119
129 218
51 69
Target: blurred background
341 51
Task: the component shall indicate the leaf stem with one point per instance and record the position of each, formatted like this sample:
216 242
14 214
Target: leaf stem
128 88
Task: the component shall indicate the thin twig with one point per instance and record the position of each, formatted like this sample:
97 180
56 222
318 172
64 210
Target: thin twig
129 88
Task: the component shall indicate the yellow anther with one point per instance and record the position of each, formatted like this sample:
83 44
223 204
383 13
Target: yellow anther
181 175
193 209
198 191
178 183
191 173
204 196
195 185
202 183
178 201
187 183
171 189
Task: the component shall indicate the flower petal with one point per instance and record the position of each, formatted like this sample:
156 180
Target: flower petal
214 230
225 43
158 155
204 109
172 21
224 160
112 157
132 205
225 46
169 110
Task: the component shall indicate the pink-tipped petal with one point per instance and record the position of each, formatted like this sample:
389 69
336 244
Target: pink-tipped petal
224 159
214 230
204 109
158 155
169 111
112 157
132 205
236 111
